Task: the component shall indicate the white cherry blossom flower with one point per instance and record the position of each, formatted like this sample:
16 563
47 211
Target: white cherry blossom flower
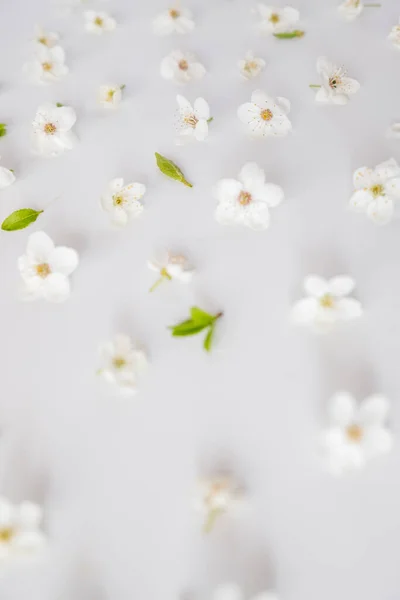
265 116
98 22
173 20
110 95
20 535
48 65
394 36
192 120
251 66
52 126
277 20
214 497
174 266
356 433
181 67
122 201
350 9
326 303
231 591
122 364
45 269
247 201
336 87
7 177
44 38
377 191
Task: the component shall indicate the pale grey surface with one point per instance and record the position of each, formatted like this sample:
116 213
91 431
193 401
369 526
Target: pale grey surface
116 477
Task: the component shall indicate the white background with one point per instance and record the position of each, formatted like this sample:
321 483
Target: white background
116 477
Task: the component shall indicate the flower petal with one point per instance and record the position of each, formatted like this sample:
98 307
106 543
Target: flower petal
184 104
304 311
380 210
377 440
64 260
7 177
360 200
342 409
374 410
228 591
40 247
348 308
56 287
315 286
341 285
252 176
201 130
363 178
29 515
201 109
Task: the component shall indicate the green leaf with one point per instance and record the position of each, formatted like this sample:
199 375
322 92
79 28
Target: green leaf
200 316
210 119
122 87
289 35
209 339
59 104
170 169
3 129
188 327
20 219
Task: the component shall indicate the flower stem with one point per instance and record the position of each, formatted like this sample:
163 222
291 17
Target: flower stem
218 315
211 518
157 283
210 119
313 85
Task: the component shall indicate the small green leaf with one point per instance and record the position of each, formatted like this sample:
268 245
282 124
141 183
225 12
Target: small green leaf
200 320
122 87
3 129
188 327
210 119
20 219
170 169
289 35
200 316
59 104
209 339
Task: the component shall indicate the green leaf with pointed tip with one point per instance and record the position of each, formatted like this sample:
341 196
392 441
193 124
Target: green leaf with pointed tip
289 35
188 327
200 316
210 119
170 169
3 129
59 105
20 219
209 339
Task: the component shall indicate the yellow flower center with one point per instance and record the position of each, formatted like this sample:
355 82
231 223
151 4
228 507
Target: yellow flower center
183 65
50 128
244 198
354 433
118 200
327 301
266 114
46 66
377 190
191 120
118 362
98 21
250 65
43 270
174 13
110 95
43 40
6 534
274 18
334 82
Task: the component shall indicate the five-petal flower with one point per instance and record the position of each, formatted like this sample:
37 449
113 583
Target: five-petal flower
122 364
173 20
277 20
122 201
265 116
251 65
181 67
20 533
350 9
98 22
336 86
48 64
214 497
44 38
192 120
52 126
110 95
174 266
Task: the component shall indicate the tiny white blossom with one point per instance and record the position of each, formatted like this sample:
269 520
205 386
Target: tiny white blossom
45 269
231 591
247 201
7 177
394 36
377 191
181 67
51 127
110 95
173 20
122 201
192 120
98 22
336 86
44 38
48 65
265 116
355 433
122 364
21 538
326 303
350 9
214 497
277 20
251 66
174 266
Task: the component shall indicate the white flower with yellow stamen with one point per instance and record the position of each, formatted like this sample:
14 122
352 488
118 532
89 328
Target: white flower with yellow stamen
7 177
251 66
98 22
265 116
48 39
394 36
336 87
277 20
214 497
20 535
110 95
356 433
173 20
192 120
122 201
48 65
350 9
377 190
45 269
51 127
122 364
326 304
181 67
231 591
174 266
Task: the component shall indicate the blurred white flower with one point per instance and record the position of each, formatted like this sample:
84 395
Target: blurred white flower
251 66
173 20
20 534
122 364
336 86
394 36
192 120
110 95
356 433
231 591
174 266
122 201
393 131
44 38
326 303
181 67
48 65
45 269
350 9
52 126
98 22
214 497
376 191
247 201
277 20
265 116
7 177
